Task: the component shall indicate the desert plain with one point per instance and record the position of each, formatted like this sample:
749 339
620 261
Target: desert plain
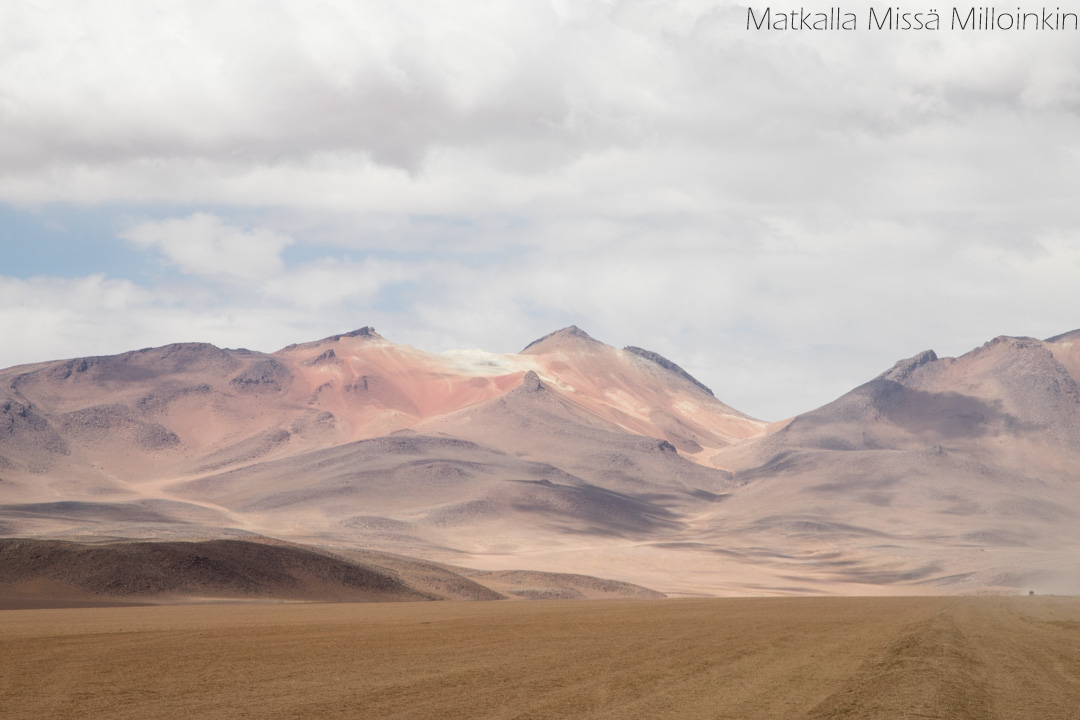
356 528
983 658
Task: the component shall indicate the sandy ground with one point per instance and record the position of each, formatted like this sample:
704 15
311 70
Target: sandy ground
956 658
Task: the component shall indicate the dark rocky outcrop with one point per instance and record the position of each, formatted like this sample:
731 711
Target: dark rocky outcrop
531 382
266 375
902 370
327 357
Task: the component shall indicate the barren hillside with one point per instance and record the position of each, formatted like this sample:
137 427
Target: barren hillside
939 475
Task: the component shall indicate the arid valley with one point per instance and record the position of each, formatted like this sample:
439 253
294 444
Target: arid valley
196 531
539 359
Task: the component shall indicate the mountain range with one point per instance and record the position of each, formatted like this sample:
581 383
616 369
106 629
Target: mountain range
473 474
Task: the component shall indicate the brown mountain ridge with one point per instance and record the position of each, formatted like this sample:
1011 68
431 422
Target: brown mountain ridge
939 475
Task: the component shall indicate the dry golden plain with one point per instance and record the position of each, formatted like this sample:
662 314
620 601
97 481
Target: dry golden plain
739 658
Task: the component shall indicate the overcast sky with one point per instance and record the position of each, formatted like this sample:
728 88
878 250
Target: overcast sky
784 214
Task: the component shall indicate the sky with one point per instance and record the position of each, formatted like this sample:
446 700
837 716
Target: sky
783 213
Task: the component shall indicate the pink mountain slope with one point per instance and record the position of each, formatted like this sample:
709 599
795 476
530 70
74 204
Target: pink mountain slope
940 475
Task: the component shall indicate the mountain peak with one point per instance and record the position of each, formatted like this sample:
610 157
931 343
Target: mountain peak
366 333
571 333
902 370
667 365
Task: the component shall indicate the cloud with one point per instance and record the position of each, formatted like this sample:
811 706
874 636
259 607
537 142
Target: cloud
333 283
801 207
779 330
45 318
50 318
207 246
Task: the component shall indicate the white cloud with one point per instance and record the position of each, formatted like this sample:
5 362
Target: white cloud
807 207
773 331
205 245
330 283
50 318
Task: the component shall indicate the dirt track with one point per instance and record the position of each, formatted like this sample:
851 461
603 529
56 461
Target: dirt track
952 658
